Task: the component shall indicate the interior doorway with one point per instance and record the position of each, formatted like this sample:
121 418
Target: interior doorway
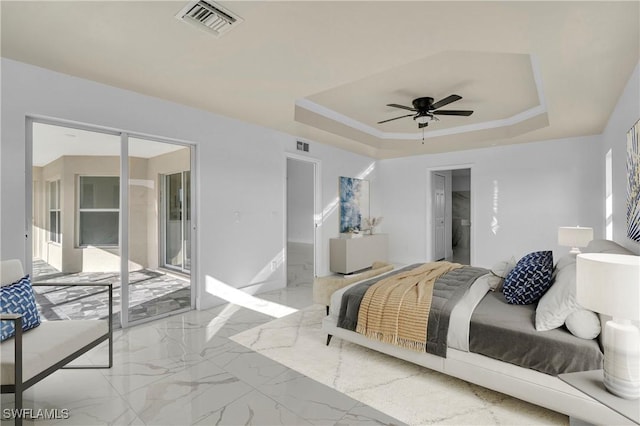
301 224
461 215
450 214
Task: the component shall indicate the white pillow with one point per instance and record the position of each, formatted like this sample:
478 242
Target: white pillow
559 301
564 262
499 272
584 324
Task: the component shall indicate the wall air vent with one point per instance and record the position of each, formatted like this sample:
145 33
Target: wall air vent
209 16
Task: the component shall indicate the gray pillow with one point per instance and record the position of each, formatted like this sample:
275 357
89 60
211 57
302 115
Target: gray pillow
584 324
605 246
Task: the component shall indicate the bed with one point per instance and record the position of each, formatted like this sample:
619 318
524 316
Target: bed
491 343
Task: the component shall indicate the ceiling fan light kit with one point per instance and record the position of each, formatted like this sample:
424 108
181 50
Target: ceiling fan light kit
426 110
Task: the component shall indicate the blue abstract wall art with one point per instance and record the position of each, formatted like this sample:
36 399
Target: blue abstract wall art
354 203
633 183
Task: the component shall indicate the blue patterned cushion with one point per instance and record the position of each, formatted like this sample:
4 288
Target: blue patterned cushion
18 298
530 279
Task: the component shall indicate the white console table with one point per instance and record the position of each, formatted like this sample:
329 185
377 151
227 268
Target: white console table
349 255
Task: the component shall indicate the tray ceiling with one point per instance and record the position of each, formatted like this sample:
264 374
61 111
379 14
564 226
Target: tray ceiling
353 58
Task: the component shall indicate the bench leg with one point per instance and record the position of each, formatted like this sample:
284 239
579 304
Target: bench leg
327 310
18 373
329 336
18 405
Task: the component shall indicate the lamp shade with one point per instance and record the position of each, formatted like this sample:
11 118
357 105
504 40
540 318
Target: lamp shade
609 284
578 236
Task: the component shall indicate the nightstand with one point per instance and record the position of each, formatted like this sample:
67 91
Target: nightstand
590 383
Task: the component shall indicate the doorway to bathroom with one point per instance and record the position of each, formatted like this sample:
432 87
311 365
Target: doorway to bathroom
450 214
461 216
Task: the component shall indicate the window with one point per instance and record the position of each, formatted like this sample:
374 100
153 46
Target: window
53 192
99 209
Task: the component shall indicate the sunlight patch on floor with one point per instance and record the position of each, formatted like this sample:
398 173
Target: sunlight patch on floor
233 295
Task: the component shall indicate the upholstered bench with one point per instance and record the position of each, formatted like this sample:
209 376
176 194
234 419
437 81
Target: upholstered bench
324 287
32 355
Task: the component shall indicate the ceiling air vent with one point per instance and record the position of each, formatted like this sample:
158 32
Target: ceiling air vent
209 16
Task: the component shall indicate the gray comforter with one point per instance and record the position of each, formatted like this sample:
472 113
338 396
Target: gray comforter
507 333
447 291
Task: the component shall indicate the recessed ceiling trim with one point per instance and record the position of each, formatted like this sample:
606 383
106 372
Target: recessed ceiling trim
523 116
357 125
537 78
340 118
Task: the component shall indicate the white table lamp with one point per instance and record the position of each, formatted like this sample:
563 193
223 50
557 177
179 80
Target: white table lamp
610 284
574 237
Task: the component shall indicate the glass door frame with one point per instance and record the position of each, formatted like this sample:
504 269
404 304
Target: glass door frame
123 243
183 223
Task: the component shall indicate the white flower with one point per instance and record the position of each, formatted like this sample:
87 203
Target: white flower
372 222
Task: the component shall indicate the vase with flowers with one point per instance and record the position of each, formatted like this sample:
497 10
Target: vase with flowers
370 224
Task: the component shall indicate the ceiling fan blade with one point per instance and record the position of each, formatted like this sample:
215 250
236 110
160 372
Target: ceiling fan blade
402 107
452 112
445 101
391 119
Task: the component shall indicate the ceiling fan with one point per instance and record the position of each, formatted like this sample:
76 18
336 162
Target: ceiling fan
425 110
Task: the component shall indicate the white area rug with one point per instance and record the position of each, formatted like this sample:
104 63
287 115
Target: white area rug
410 393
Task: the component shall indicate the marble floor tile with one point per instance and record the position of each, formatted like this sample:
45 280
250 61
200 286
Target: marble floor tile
298 296
253 368
317 403
299 263
363 415
222 355
128 375
253 408
187 397
86 394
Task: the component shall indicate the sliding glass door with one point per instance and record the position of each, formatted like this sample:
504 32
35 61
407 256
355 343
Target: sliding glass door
158 207
98 218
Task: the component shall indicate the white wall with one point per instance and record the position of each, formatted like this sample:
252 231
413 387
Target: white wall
241 168
521 194
614 138
300 212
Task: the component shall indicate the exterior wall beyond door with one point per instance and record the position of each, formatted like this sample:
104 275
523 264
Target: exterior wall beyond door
144 192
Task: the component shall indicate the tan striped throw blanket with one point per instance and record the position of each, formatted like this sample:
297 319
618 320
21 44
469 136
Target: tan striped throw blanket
396 309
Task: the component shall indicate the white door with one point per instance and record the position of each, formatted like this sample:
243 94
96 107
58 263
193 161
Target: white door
438 217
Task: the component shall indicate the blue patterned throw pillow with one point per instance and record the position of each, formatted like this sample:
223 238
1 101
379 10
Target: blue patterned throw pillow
530 279
18 298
